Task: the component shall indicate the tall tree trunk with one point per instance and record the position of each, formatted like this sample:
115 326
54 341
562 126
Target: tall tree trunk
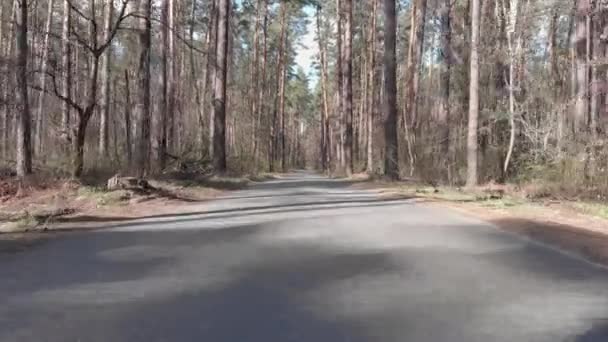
581 109
145 114
220 76
414 58
414 61
3 113
255 80
6 110
472 177
340 81
597 53
444 87
347 68
211 67
40 122
554 71
371 107
325 103
282 100
106 62
514 41
24 146
128 106
168 96
66 73
164 107
277 134
171 119
391 163
262 82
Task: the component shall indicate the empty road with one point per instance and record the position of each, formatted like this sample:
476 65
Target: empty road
302 258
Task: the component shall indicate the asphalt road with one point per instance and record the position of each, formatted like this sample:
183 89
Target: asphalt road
300 259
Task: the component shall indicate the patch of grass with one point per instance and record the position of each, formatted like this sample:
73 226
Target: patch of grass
103 197
595 209
26 222
502 203
484 198
91 191
114 198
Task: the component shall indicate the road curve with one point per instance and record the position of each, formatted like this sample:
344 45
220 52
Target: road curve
303 258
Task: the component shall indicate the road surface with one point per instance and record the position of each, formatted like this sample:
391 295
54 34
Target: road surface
300 259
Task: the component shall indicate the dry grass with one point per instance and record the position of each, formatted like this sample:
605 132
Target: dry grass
41 200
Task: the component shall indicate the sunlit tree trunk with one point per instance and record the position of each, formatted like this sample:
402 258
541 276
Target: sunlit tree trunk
472 177
127 109
219 94
106 62
66 73
444 87
24 134
581 109
371 95
168 66
211 67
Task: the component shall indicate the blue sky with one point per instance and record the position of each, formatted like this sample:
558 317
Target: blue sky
307 49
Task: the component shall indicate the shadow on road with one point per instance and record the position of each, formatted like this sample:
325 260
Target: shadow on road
597 333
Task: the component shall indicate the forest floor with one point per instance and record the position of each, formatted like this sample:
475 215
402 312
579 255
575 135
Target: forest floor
577 227
45 204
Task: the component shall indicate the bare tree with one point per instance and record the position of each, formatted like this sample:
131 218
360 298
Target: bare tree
85 108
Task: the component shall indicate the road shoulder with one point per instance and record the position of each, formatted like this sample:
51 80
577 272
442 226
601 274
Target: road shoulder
564 225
